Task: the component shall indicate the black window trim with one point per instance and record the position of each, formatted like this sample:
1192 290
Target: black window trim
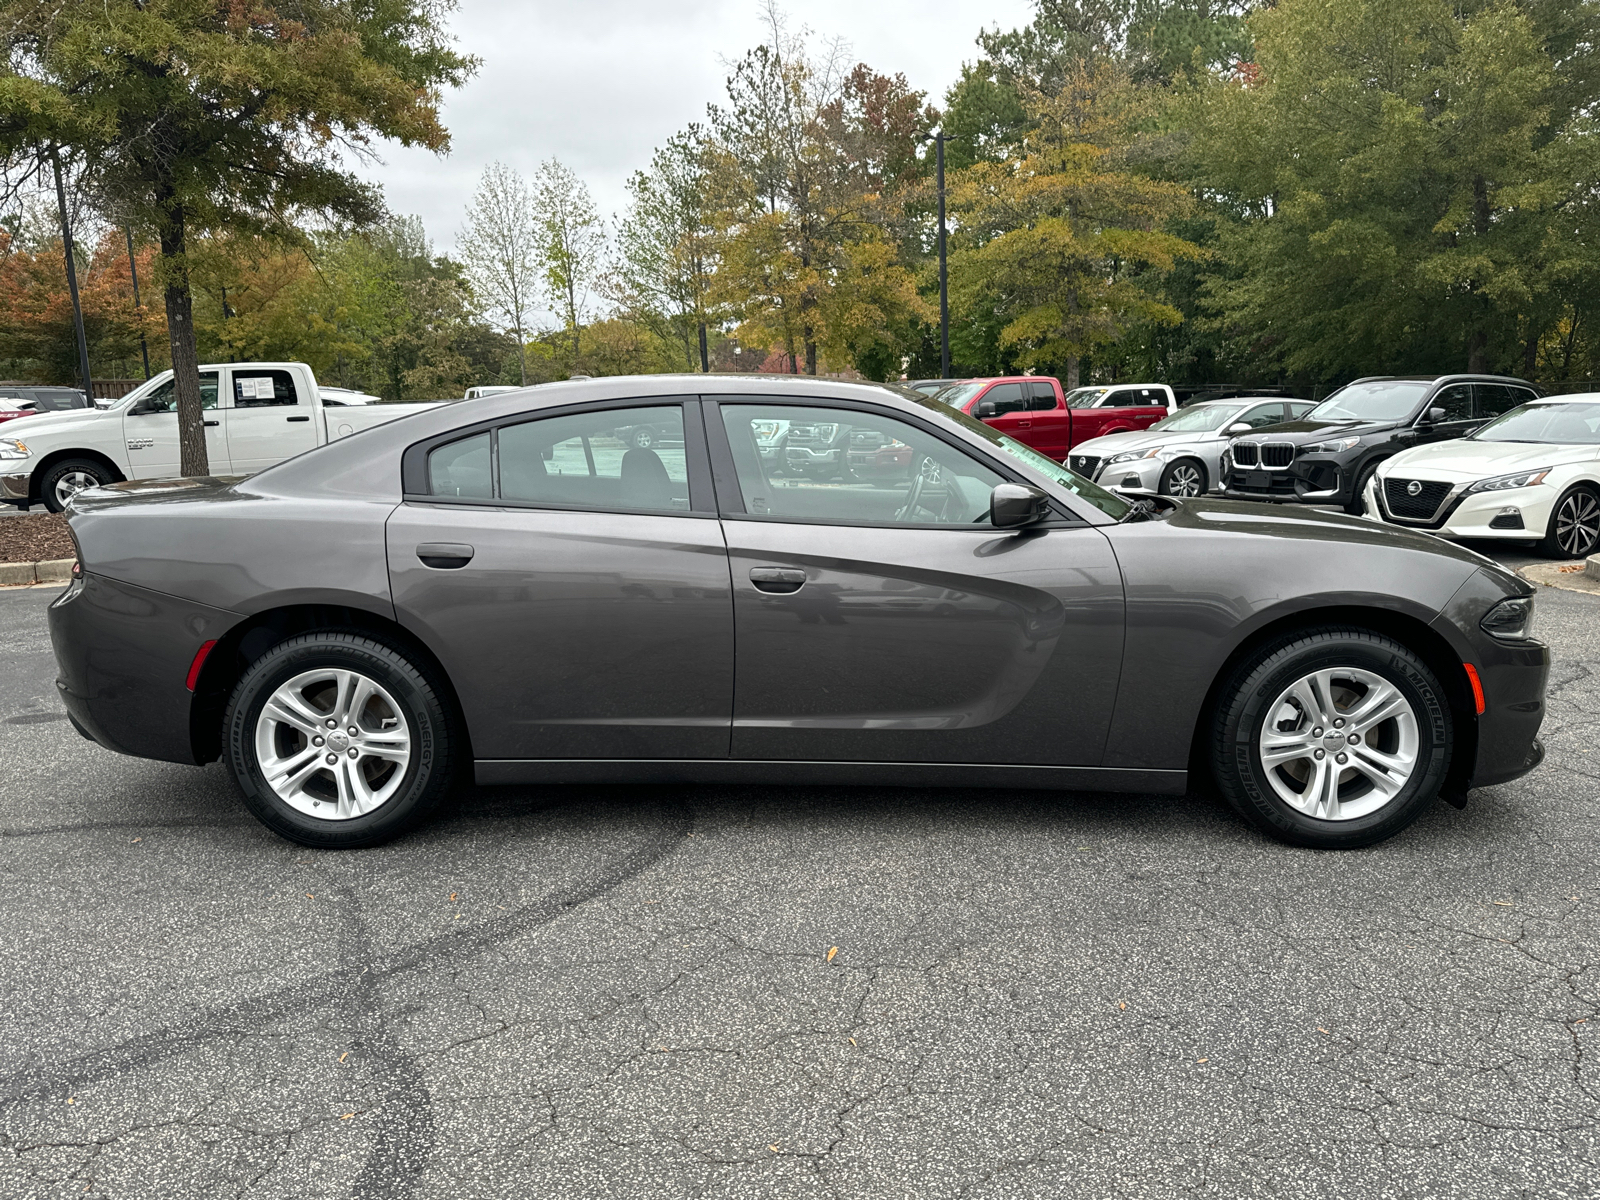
702 503
730 496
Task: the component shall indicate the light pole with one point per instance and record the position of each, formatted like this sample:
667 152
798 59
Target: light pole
937 138
72 280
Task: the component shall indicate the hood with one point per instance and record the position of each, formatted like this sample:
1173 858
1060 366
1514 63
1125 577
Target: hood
1465 459
1133 439
39 424
1301 432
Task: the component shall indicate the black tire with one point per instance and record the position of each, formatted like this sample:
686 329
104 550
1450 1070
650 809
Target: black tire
1357 504
1261 679
427 776
642 438
1179 472
99 472
1574 530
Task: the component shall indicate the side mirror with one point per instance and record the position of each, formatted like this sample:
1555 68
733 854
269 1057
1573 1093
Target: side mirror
1436 414
985 409
1013 505
1240 427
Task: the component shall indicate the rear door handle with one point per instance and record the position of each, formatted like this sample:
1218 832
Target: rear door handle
778 580
297 418
212 423
445 556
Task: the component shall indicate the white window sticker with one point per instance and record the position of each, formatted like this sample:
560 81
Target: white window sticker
255 389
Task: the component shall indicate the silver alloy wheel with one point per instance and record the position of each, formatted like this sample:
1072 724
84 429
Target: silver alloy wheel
1183 479
1339 744
1578 525
71 483
332 743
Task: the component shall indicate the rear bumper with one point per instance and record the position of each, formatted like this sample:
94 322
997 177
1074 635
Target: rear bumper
123 655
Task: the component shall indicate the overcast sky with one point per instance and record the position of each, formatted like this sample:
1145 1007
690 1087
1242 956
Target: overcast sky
600 83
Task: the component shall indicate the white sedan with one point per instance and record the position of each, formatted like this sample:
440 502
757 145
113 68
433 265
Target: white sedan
1532 474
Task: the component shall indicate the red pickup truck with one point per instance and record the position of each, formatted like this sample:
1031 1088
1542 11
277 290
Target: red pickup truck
1033 409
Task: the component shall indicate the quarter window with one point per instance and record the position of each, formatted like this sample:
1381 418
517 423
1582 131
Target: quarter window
462 469
875 469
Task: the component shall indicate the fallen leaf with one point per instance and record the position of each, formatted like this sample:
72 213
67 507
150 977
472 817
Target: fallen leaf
138 839
347 1116
70 1100
309 896
344 1056
832 950
852 1041
773 1147
1580 1020
1204 1060
1122 1004
1320 1029
452 897
1503 903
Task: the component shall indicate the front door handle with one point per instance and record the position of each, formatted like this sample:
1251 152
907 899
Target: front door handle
445 556
1023 425
297 418
780 581
210 424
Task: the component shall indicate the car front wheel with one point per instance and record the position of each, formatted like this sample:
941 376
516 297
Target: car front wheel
338 741
1332 738
66 479
1185 478
1574 525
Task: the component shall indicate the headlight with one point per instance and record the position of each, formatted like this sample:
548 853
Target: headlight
1502 483
1338 446
1130 455
12 448
1511 619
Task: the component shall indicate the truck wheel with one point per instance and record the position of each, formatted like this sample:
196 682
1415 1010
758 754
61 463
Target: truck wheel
1332 738
337 740
67 478
643 438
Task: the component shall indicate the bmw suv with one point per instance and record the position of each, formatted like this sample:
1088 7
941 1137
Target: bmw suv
1328 455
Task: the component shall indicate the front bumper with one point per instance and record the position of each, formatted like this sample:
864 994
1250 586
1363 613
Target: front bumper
1311 480
1139 476
804 456
14 489
1515 514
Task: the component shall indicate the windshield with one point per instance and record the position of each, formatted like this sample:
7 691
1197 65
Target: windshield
1198 420
1562 424
957 395
1085 397
1381 400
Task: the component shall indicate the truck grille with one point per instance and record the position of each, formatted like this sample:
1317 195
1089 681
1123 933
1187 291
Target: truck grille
811 435
1420 507
1084 464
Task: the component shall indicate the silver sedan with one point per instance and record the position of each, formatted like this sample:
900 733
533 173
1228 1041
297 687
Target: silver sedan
1178 456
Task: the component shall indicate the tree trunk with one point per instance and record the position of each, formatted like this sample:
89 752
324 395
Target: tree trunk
1478 342
705 358
1530 354
1072 374
1478 352
522 355
192 457
811 357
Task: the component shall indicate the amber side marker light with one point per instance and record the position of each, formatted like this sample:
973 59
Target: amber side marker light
205 649
1472 678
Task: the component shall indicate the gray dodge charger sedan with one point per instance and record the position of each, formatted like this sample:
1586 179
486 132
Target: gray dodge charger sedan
505 589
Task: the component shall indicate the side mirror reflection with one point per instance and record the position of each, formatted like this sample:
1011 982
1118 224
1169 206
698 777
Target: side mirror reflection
1013 505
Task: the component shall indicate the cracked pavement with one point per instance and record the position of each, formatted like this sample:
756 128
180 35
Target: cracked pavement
627 992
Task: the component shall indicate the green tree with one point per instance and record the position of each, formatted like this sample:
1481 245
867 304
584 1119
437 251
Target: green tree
571 243
194 116
501 247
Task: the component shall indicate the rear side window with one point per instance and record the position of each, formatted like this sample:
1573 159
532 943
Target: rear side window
1137 398
613 458
1497 398
263 389
462 469
1261 415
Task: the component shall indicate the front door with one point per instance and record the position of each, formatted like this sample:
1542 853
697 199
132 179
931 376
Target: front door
889 622
151 430
576 597
271 419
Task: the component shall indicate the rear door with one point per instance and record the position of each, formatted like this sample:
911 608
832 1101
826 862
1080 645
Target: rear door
151 431
892 624
575 588
270 418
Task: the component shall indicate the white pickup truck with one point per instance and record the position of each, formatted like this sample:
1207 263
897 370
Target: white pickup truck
256 414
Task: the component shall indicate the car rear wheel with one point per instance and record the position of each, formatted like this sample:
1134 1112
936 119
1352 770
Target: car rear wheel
1332 738
1185 478
1574 525
338 741
67 478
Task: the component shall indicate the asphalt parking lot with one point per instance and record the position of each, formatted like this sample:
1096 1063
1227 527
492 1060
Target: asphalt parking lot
776 992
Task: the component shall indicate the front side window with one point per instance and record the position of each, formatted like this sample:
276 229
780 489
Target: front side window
263 389
886 471
1006 398
164 399
1455 400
